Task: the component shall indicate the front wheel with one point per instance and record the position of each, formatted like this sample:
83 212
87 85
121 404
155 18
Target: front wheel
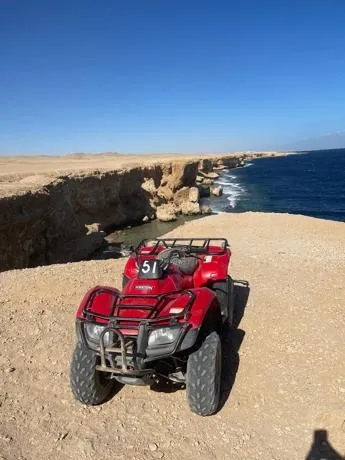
225 294
204 376
89 386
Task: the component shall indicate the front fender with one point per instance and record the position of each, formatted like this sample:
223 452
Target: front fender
204 314
205 304
102 303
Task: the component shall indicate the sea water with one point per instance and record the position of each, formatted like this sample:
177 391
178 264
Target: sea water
312 183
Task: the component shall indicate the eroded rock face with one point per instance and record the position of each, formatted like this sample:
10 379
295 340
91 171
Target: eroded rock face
64 220
206 165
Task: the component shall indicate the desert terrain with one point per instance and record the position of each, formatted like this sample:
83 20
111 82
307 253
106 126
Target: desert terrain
20 174
283 368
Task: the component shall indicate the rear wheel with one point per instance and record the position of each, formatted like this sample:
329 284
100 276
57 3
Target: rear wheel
89 386
204 376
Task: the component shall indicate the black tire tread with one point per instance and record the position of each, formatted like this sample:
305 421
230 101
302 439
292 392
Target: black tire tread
225 295
203 398
85 383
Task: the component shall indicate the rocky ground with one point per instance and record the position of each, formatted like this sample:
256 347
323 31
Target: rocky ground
286 380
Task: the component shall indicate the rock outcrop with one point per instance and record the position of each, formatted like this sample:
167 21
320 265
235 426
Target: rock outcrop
66 219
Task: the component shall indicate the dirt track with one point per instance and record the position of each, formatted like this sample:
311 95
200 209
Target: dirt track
291 360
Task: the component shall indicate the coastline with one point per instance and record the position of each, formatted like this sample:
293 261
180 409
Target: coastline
51 214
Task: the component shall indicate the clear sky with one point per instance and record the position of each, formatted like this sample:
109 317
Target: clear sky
163 75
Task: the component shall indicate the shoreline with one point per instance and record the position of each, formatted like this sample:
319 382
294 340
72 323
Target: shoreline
58 216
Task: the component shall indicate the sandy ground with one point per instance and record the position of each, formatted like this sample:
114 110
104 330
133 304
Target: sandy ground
286 380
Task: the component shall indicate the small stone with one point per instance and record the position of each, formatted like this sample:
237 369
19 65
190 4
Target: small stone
153 446
158 454
10 369
146 219
6 438
217 191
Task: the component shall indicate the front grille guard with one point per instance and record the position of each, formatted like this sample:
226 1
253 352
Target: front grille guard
144 325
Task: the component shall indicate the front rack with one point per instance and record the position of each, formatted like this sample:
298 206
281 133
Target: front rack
118 306
143 325
196 245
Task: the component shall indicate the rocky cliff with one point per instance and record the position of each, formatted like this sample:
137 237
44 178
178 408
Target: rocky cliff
65 219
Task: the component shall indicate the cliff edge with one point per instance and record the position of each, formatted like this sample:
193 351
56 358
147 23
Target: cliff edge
56 209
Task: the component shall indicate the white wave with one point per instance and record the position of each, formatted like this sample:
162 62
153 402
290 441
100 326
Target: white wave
233 192
247 165
233 198
220 182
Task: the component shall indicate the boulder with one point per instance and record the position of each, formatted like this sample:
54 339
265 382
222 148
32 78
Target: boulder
189 208
207 181
205 209
181 195
166 212
217 191
186 194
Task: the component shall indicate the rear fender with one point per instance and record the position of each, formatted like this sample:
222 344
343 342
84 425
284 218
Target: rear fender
212 269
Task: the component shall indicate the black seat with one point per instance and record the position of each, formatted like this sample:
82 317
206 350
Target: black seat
187 265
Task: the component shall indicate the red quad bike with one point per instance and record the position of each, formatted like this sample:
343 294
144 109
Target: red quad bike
165 324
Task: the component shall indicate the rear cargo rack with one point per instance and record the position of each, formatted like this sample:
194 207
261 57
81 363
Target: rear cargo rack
196 245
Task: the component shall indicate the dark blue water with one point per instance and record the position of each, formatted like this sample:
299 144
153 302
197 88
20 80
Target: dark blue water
312 184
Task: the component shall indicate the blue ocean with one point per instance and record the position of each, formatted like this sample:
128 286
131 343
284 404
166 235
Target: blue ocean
311 183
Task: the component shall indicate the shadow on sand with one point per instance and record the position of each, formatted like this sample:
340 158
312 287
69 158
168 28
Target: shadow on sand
321 449
232 338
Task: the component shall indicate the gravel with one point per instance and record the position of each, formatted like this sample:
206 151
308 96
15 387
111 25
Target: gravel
290 363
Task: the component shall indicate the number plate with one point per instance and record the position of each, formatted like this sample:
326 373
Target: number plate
150 269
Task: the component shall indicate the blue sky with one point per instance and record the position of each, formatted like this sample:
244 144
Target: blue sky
163 75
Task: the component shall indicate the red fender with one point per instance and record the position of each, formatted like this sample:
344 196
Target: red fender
205 302
102 303
215 269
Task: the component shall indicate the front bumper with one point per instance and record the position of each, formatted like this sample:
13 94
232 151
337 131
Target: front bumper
131 355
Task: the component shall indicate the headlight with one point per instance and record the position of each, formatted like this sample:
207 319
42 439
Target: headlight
163 336
93 332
